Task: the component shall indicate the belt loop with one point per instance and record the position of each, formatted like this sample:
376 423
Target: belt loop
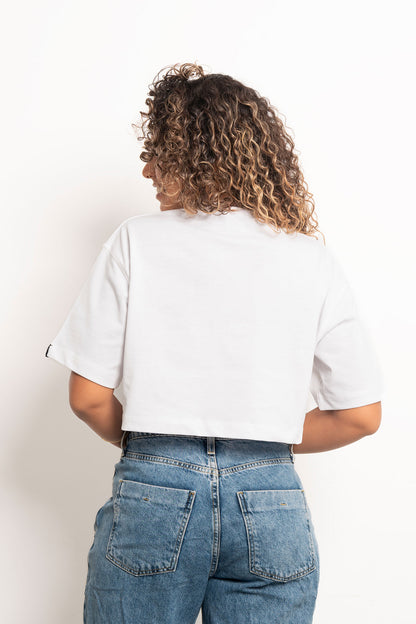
123 438
211 445
291 453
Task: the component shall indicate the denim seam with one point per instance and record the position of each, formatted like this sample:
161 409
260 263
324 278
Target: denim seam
204 469
311 545
247 522
216 511
300 574
254 464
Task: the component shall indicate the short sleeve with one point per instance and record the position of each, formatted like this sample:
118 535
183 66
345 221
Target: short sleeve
346 370
91 339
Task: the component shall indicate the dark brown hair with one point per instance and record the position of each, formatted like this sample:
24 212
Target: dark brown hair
226 146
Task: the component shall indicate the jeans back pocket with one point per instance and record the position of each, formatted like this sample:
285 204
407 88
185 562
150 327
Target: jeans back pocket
149 524
278 532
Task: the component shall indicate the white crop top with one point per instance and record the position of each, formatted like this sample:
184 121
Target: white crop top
216 325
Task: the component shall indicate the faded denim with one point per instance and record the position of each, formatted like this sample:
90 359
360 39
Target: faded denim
200 522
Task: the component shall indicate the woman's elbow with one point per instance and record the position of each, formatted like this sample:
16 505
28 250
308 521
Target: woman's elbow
366 418
371 418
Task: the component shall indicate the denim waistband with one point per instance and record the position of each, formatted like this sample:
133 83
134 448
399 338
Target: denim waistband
236 449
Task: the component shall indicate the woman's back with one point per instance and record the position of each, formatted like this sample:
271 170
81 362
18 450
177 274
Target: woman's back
219 326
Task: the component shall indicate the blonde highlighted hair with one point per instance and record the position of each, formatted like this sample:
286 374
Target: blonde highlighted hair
226 146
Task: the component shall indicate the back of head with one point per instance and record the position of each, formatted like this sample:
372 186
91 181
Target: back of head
226 146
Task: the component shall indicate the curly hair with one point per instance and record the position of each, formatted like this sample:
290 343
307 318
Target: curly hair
226 146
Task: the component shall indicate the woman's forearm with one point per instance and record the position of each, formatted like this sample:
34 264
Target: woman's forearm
105 420
325 430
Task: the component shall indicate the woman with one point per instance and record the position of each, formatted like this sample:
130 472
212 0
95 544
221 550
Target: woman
219 313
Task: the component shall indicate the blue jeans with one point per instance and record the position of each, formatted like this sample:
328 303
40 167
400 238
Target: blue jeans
197 522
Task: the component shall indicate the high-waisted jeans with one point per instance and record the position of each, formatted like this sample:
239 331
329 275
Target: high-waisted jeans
195 522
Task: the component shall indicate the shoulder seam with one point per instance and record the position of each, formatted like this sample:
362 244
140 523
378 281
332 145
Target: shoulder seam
118 263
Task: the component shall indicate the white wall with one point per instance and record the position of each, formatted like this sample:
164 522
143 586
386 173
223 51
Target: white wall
75 76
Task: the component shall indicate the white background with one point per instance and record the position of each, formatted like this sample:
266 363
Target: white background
75 75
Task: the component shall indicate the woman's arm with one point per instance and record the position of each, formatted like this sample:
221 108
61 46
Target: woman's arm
325 430
97 406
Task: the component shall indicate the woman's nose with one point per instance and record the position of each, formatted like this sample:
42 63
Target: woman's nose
147 170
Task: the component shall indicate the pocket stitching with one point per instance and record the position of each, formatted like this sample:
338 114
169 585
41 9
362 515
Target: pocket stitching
178 544
251 545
